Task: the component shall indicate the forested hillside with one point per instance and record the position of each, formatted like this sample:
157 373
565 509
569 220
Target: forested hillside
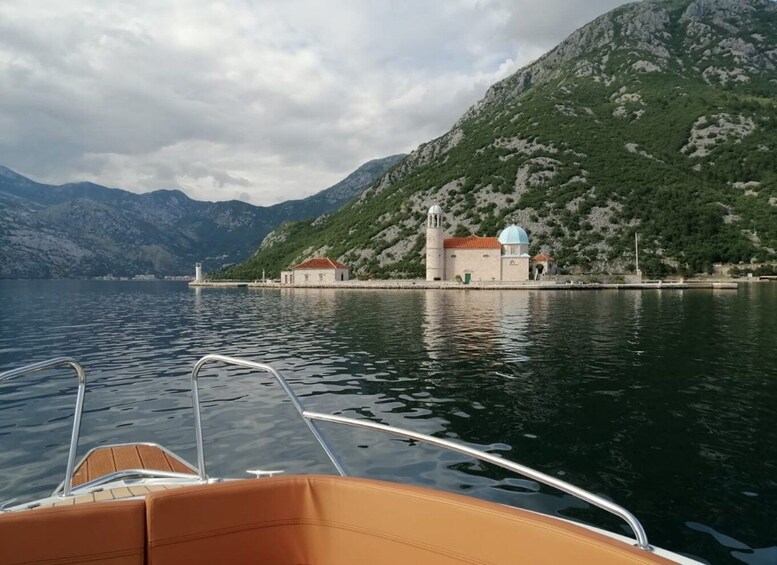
658 119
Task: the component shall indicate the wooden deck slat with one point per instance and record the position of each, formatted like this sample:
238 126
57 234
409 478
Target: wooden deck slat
117 493
103 495
126 457
121 492
101 463
155 488
153 458
138 490
176 465
81 474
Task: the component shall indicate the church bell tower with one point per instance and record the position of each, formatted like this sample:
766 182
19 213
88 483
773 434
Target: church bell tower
435 254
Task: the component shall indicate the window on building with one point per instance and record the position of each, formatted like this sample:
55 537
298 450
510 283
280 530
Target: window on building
320 277
306 278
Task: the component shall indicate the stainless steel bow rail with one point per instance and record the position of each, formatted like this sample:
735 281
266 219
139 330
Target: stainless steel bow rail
310 417
589 497
51 364
286 389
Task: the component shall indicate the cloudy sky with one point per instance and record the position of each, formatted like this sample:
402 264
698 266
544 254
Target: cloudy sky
260 100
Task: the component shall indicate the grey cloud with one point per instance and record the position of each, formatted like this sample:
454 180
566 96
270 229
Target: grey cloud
272 100
220 178
547 23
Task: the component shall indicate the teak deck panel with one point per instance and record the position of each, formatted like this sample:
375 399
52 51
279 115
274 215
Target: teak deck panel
107 460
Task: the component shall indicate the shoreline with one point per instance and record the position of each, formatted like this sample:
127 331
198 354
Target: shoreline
452 285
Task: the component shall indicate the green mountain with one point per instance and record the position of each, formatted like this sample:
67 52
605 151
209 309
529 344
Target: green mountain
83 229
657 119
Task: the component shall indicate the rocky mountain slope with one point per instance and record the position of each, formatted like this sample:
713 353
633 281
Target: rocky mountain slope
657 119
83 229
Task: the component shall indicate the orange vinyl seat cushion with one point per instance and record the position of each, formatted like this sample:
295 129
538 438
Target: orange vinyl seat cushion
104 533
311 520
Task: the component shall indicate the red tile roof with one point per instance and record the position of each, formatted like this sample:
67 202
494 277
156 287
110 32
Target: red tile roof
543 258
472 242
320 263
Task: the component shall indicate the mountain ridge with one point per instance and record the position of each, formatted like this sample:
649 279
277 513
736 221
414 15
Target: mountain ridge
83 229
654 119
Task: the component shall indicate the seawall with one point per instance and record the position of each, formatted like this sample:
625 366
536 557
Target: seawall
451 285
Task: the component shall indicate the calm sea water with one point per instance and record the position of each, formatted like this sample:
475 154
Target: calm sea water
664 401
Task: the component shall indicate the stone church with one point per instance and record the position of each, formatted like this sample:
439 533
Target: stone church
503 258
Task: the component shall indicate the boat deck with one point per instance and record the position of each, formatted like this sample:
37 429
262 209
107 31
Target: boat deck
111 459
105 460
109 494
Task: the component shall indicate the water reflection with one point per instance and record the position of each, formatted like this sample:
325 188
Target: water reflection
659 399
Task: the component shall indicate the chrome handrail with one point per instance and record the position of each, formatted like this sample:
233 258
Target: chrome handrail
286 389
591 498
81 374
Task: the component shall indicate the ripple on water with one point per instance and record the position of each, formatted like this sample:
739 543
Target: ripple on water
610 390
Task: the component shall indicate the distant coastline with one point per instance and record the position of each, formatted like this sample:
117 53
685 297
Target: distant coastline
419 284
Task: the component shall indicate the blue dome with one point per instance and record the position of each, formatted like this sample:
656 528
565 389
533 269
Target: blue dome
513 235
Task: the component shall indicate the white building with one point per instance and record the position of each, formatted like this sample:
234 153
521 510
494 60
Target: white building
475 258
316 271
543 265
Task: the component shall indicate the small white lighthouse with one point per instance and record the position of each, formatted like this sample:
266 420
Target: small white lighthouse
435 258
198 272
